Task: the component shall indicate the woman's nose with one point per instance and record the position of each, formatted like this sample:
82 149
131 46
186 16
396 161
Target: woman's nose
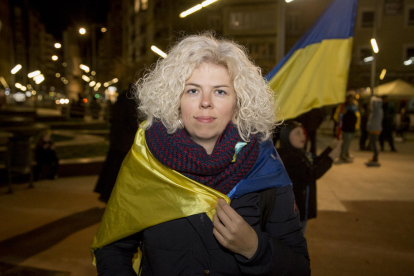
205 100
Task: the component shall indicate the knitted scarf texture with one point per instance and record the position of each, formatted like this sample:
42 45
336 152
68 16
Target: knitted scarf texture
179 152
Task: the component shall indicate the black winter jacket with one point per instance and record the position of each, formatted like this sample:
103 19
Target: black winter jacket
187 246
304 173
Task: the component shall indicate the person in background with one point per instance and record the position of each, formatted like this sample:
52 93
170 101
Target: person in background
311 120
303 168
77 108
364 133
404 121
374 128
388 123
47 162
95 108
124 125
350 123
202 190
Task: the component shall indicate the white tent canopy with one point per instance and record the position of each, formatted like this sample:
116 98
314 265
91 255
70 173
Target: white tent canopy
397 88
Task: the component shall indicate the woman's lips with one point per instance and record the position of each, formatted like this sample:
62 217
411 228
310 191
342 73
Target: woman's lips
205 119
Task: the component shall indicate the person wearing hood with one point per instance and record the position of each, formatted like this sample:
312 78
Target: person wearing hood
374 128
303 168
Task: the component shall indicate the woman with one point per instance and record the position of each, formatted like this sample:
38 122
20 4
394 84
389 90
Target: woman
206 141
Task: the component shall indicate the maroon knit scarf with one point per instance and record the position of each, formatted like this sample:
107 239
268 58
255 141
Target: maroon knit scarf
179 152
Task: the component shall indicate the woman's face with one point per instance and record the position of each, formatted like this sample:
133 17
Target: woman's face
297 137
207 104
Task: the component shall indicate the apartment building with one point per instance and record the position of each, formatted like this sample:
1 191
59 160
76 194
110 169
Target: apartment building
254 24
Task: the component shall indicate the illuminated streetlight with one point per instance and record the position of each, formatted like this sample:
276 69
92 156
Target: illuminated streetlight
374 45
383 72
103 30
39 78
23 88
55 58
57 75
190 11
408 62
34 74
16 69
115 80
158 51
106 84
92 83
82 31
18 85
207 2
3 81
368 59
196 8
58 45
288 1
85 78
84 68
96 88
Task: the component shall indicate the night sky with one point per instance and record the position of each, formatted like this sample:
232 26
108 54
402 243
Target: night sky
58 15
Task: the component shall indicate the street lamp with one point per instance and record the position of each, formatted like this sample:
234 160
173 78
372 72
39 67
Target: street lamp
58 45
155 49
16 69
82 31
39 78
196 8
374 48
86 78
55 57
374 45
383 72
34 74
84 68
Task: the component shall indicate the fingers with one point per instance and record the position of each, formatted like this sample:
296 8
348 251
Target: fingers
224 212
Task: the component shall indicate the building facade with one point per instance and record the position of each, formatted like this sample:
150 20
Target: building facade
254 24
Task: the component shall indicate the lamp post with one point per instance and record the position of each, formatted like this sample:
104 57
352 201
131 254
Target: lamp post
375 49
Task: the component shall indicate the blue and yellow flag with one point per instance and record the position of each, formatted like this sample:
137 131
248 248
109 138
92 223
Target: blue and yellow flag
315 71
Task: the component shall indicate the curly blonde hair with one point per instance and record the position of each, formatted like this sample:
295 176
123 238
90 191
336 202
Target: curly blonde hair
160 90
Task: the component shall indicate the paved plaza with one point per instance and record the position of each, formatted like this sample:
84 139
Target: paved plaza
364 224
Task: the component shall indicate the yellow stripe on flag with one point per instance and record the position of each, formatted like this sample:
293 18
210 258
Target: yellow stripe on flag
147 193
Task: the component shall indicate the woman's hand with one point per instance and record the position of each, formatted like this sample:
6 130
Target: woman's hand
233 232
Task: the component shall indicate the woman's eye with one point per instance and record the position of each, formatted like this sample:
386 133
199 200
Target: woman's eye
192 91
221 92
